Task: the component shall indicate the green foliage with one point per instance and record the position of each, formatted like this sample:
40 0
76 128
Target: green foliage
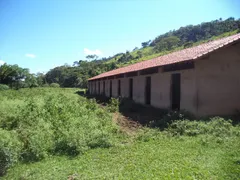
52 122
12 75
41 123
147 134
201 31
92 57
17 77
113 105
168 117
54 85
217 127
167 43
145 44
40 79
78 75
125 57
10 148
31 81
4 87
155 157
45 85
34 131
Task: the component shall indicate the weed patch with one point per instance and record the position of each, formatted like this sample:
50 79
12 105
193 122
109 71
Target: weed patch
64 135
50 122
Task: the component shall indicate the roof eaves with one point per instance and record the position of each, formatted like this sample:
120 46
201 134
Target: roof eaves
226 44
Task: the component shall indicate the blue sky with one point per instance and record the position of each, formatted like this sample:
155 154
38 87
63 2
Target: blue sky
42 34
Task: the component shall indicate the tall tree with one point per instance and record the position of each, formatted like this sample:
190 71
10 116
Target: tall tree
145 44
13 75
92 57
167 43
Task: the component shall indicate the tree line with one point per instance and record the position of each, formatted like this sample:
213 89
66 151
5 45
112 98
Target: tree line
187 35
16 77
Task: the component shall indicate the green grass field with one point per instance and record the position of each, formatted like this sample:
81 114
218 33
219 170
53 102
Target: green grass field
53 133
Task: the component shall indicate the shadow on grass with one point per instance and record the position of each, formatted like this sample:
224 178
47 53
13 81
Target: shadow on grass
149 116
237 162
142 114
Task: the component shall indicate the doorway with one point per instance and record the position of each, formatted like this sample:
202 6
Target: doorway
95 87
104 88
110 89
99 88
119 88
148 90
131 88
176 91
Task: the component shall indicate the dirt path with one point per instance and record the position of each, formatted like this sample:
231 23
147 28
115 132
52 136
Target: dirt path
126 124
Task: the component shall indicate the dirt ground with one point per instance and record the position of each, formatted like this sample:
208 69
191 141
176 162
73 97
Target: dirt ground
126 124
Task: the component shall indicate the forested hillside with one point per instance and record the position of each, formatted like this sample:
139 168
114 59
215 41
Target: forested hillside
76 75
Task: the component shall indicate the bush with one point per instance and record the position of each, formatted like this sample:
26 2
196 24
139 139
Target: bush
70 127
54 85
4 87
113 105
82 92
10 148
48 122
217 127
34 131
169 117
45 85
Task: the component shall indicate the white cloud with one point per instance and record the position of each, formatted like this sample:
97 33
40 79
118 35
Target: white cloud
2 62
30 55
90 52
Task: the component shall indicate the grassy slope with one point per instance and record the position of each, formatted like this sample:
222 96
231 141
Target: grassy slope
150 155
148 52
164 158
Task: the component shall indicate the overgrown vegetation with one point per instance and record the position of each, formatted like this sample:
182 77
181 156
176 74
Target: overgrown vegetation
41 122
4 87
49 133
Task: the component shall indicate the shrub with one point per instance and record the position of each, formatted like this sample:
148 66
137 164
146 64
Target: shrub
54 85
169 117
34 131
4 87
51 122
91 105
45 85
81 92
10 148
113 105
217 127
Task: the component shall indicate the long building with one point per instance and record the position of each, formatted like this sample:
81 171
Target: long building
204 80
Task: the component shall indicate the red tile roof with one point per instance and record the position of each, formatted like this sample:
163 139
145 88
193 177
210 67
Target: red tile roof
192 53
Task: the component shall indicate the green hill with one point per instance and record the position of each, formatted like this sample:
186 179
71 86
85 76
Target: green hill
174 40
